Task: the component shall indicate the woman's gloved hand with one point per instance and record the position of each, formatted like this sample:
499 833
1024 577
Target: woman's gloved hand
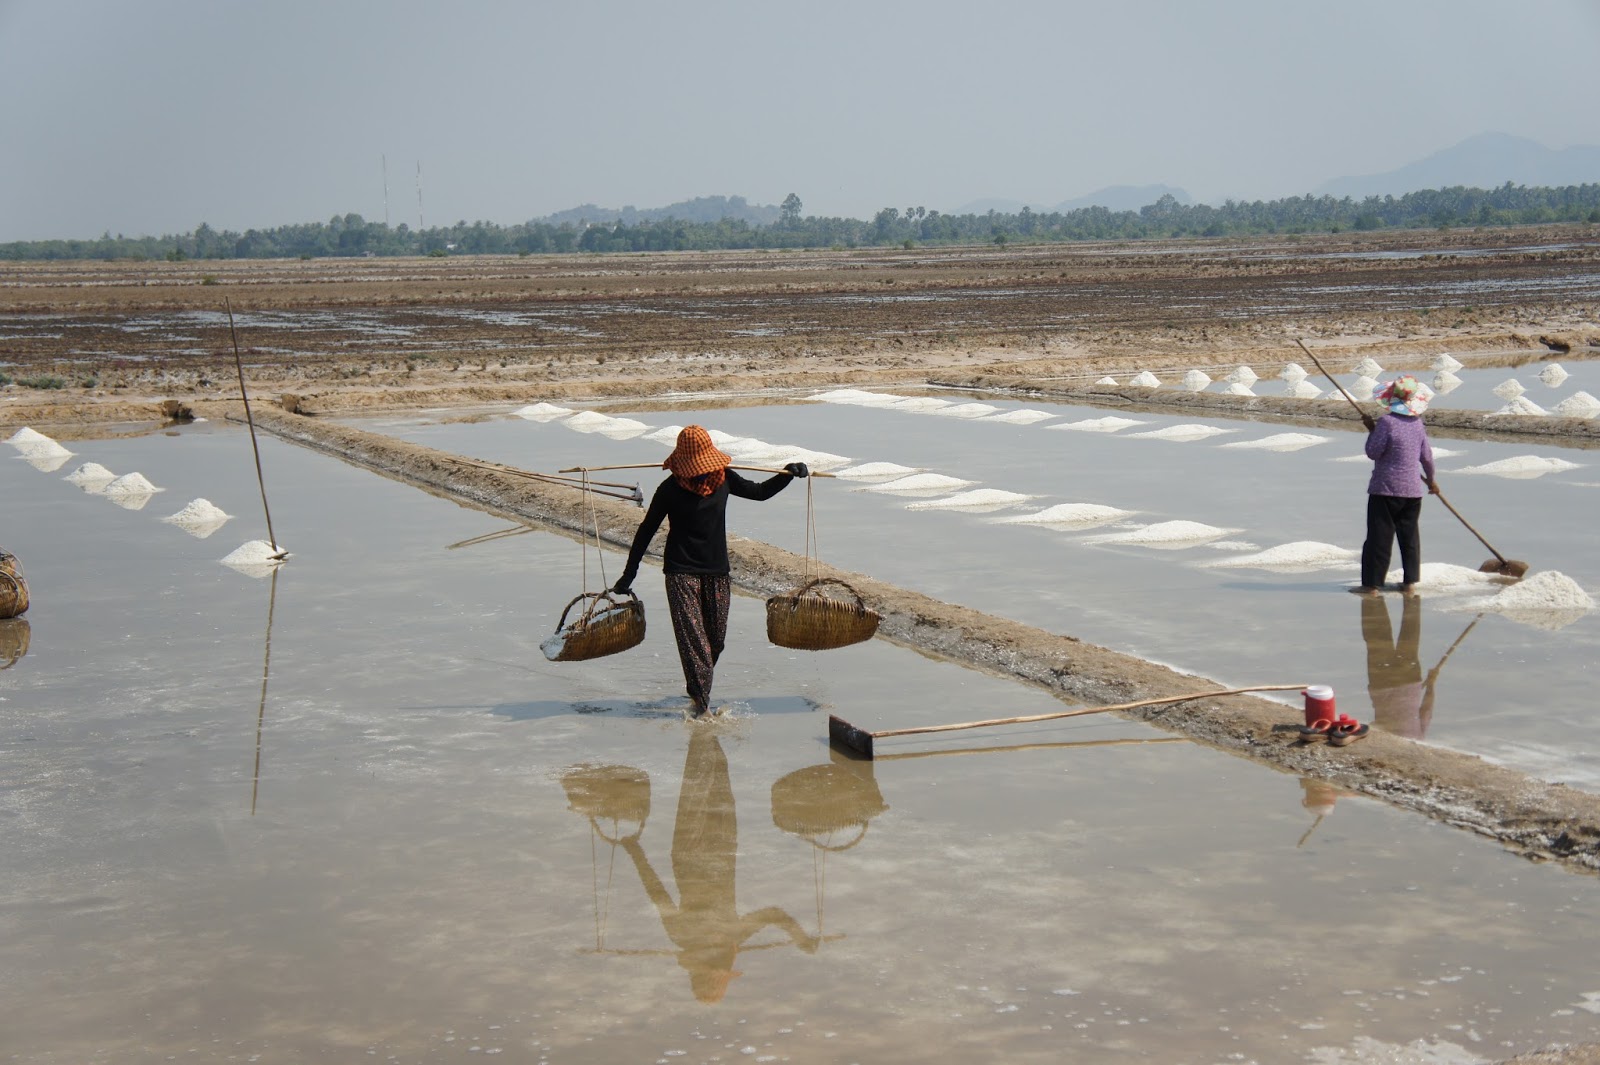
623 587
797 469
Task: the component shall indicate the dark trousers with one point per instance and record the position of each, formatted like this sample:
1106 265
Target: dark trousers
1391 518
698 604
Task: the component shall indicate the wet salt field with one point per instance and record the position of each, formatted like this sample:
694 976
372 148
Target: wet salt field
350 810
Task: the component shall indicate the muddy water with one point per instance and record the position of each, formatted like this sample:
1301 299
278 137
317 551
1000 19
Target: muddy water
352 810
1515 690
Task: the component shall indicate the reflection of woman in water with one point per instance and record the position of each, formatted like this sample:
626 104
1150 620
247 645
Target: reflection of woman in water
705 924
1402 701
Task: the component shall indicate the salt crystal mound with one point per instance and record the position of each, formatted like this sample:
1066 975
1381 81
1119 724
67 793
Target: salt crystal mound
1363 387
1196 380
982 499
1070 515
1522 405
1302 556
1281 442
918 404
920 483
131 484
27 437
1293 372
1554 375
1166 535
255 558
1521 467
543 412
45 461
667 434
1182 433
1242 376
877 471
90 475
1239 388
855 397
1510 388
965 410
1027 416
587 421
40 446
1146 379
783 454
1302 389
621 428
1367 368
1447 578
198 512
1107 380
1547 600
1578 405
1445 382
1446 363
1109 424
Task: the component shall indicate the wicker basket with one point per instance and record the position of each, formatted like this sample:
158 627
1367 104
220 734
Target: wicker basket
819 801
609 622
807 619
13 586
14 636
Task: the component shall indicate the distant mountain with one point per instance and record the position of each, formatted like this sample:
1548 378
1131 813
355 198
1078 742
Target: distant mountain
699 209
1112 198
1486 161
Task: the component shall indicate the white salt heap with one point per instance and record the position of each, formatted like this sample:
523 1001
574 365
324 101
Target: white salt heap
1445 382
1165 534
1546 600
253 553
880 471
587 421
1293 372
1242 376
1363 387
1367 368
1069 514
1303 389
35 445
1196 380
1554 375
543 412
1522 467
131 484
783 454
966 410
1510 388
1239 388
981 498
921 482
1146 379
1107 380
1446 578
1186 432
855 397
1281 442
1446 363
1022 417
1109 424
667 434
1298 557
1522 405
1578 405
90 475
27 437
919 404
622 428
198 512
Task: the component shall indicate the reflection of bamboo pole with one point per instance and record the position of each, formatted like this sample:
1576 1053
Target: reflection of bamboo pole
1310 830
1134 742
266 668
238 361
472 541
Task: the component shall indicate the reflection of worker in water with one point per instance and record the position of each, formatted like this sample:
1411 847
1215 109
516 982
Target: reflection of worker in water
1402 701
705 924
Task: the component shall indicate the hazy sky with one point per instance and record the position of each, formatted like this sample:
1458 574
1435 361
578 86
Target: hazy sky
152 116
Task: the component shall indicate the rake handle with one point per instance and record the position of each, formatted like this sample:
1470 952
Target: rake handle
1330 377
1080 712
658 466
1498 556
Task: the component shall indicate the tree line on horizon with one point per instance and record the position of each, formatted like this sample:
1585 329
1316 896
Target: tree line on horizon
352 235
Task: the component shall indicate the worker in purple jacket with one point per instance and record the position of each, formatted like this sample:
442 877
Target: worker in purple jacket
1402 461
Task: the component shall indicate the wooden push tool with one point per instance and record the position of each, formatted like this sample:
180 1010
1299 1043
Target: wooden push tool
861 741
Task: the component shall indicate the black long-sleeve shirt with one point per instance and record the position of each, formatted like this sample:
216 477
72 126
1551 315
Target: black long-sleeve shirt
697 527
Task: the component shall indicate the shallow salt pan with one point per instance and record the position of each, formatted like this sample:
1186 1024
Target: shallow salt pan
1108 424
1166 534
920 482
1022 417
543 412
1069 514
980 499
1183 433
1281 442
1298 557
1522 467
877 471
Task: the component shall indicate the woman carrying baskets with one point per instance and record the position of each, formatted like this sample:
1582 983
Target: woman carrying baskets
694 503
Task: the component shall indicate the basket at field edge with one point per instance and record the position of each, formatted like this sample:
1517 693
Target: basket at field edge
13 586
808 620
607 625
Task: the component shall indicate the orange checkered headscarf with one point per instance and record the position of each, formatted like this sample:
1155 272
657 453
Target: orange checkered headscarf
699 466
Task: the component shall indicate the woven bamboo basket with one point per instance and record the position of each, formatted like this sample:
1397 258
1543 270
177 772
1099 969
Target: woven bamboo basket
14 636
608 623
808 619
819 801
13 586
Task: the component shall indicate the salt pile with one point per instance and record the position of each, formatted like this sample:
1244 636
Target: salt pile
622 428
198 512
1522 405
1281 442
1068 514
1510 388
35 445
587 421
1239 388
1107 380
1446 578
1298 557
980 499
1242 376
966 410
130 484
876 471
1146 379
1446 363
1108 424
1578 405
1554 375
926 483
1367 368
855 397
1547 600
1522 467
90 475
919 404
46 461
783 454
1445 382
1302 389
1166 534
1021 417
1188 431
1196 380
1293 372
667 434
1363 387
254 553
27 437
543 412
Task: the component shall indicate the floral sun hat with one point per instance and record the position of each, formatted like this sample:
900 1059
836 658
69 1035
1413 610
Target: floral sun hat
1406 395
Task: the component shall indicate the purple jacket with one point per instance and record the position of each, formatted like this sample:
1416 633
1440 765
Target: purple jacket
1401 455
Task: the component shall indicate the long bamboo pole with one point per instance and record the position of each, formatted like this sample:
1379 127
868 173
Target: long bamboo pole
632 495
238 361
657 466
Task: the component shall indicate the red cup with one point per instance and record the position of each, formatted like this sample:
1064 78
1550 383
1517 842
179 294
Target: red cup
1319 704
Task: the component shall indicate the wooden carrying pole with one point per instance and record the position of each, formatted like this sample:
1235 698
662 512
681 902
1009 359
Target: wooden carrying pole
658 466
860 740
